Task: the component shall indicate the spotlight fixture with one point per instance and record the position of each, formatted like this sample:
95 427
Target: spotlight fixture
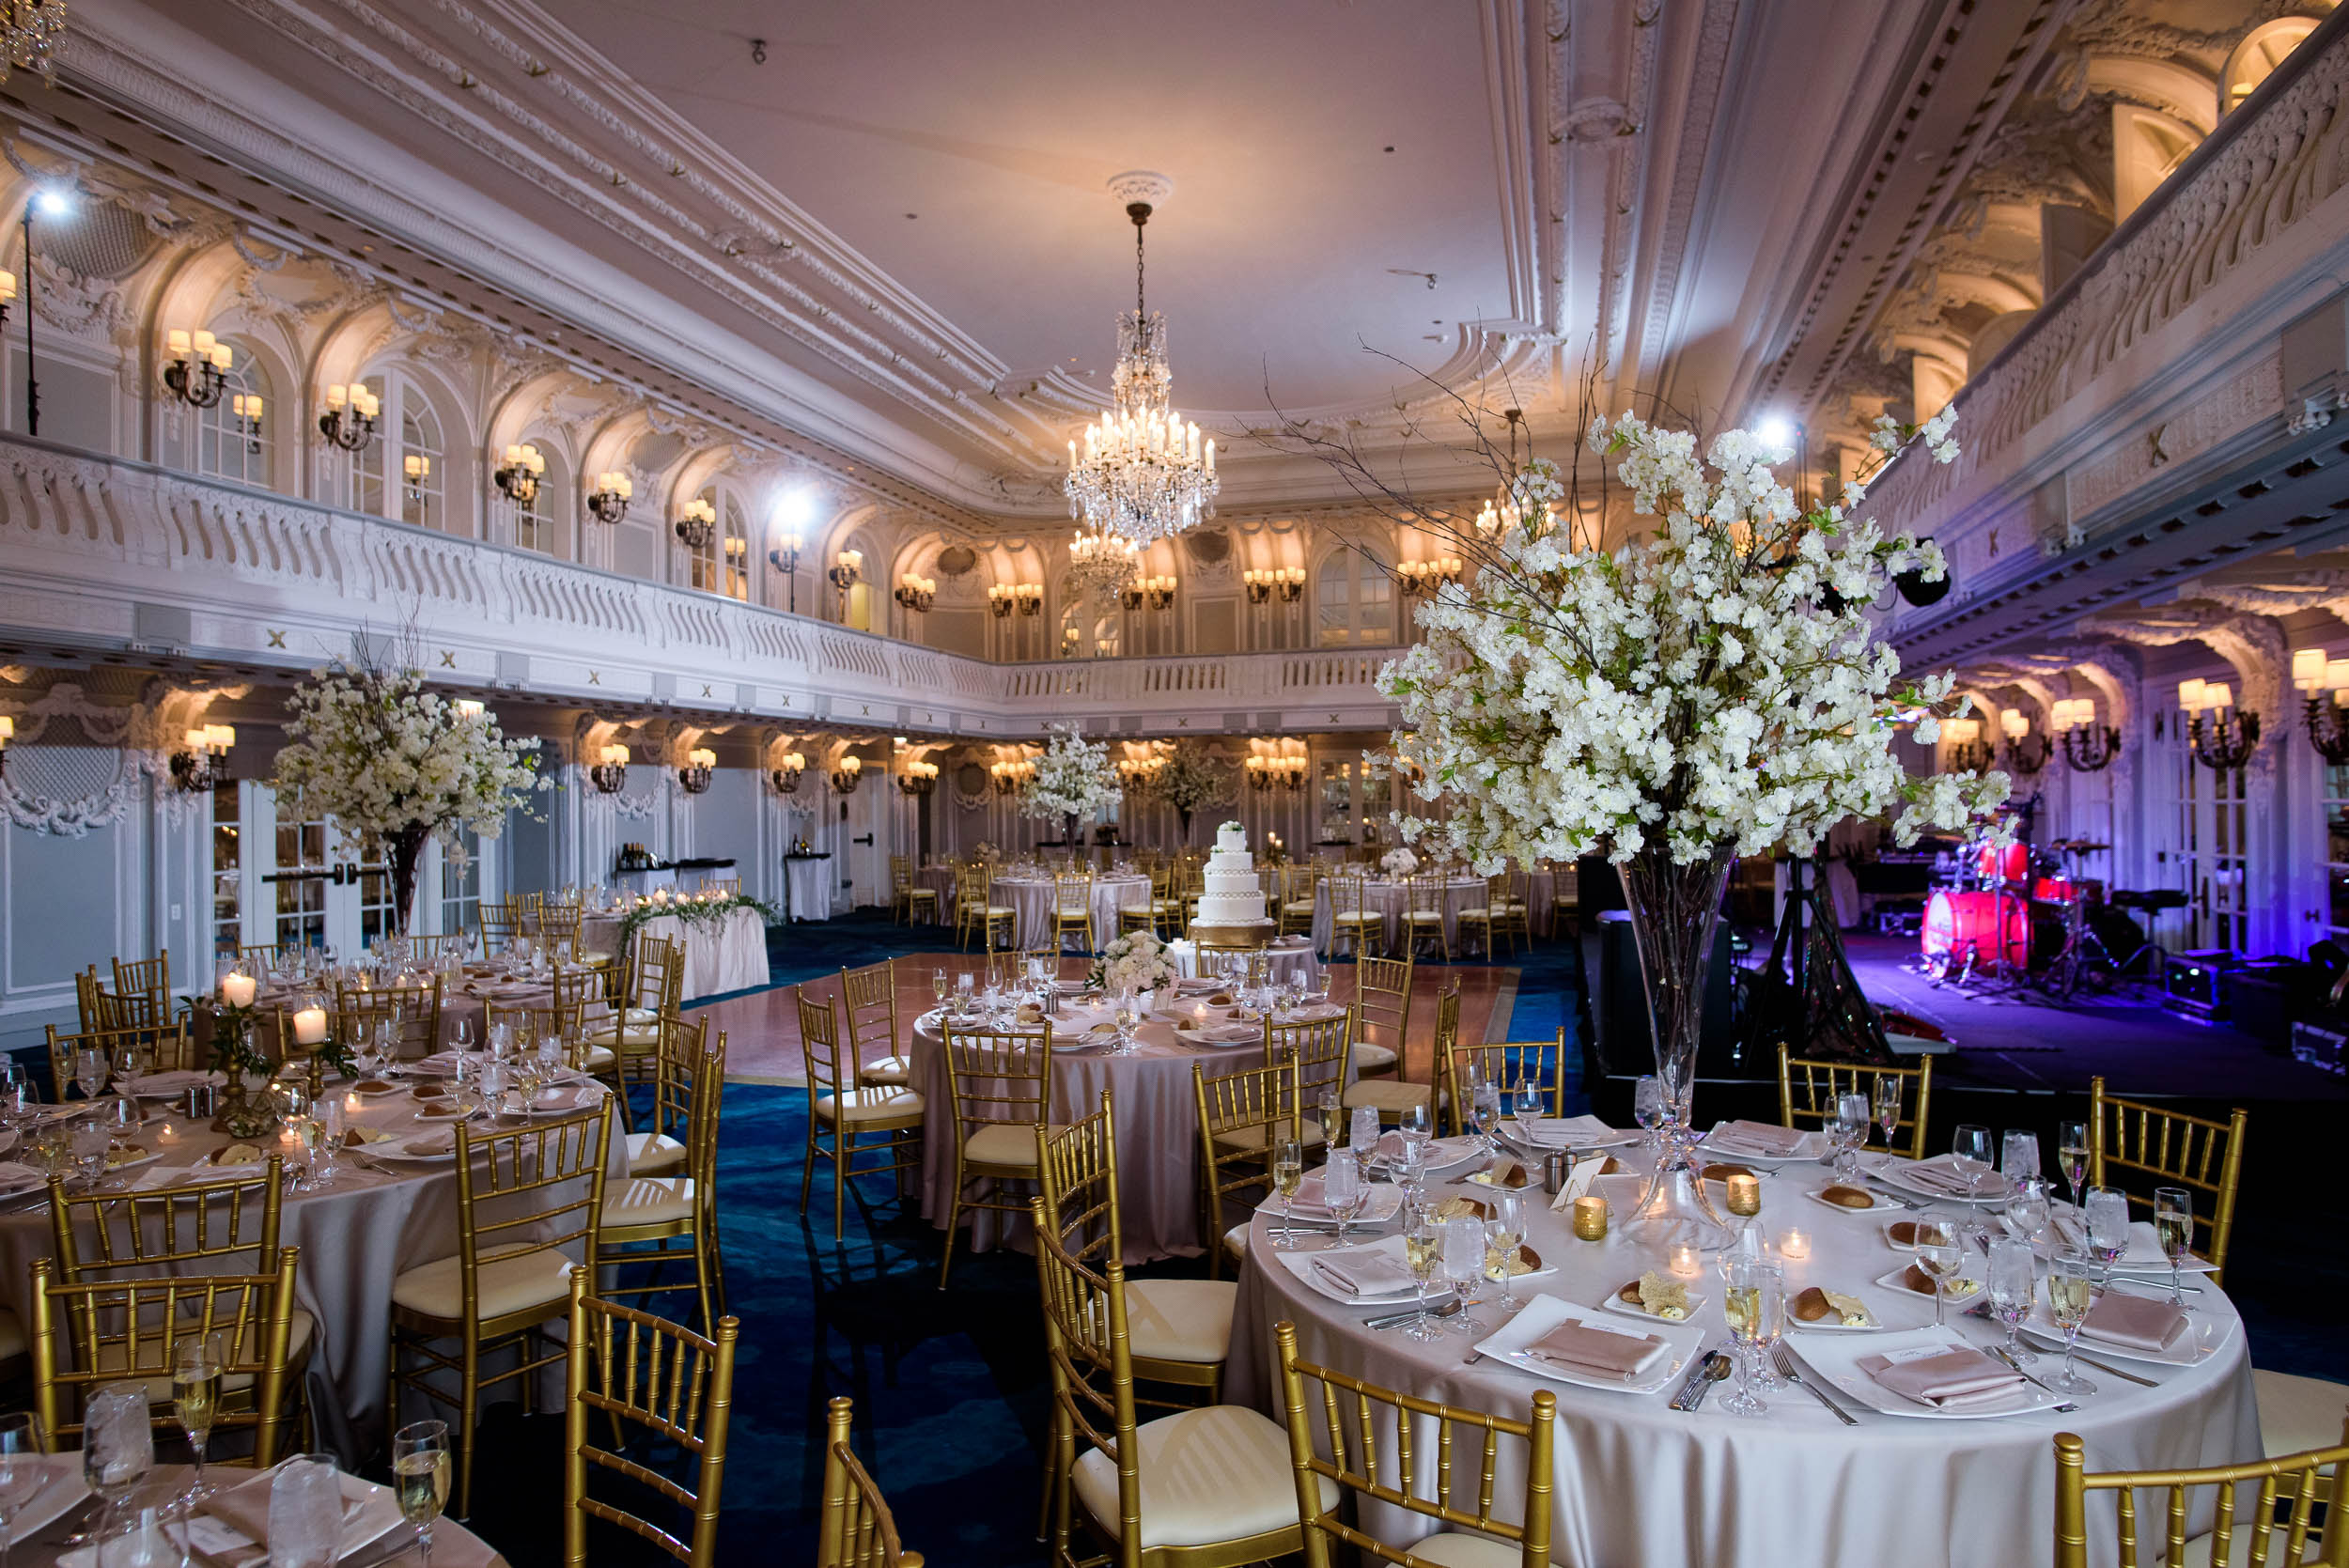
844 779
697 524
787 778
917 778
2016 726
916 592
2324 685
2231 736
608 502
610 772
693 778
1967 754
349 422
2088 746
519 479
204 761
245 409
199 366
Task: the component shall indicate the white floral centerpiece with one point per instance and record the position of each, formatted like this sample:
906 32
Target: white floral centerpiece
1188 780
393 764
1073 779
1399 862
1136 962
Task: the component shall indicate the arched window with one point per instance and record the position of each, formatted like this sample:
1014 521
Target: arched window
1353 600
722 564
1090 625
232 439
403 473
543 522
2257 56
855 609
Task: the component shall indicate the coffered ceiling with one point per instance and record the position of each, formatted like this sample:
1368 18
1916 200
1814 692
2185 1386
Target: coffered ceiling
893 235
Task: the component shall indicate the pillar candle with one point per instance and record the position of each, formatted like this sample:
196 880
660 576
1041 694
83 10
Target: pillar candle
309 1026
237 990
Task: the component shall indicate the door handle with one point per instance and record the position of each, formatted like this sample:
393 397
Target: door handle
866 839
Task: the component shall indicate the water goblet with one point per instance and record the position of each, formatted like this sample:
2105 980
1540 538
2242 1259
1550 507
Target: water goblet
2071 1290
1416 1123
1125 1012
117 1442
2018 1154
1848 1131
197 1364
420 1472
1361 1130
1969 1154
21 1472
89 1070
1423 1249
2174 1227
1647 1107
306 1512
1884 1097
1505 1231
1484 1115
1464 1266
2072 1149
1940 1256
2027 1212
461 1036
1342 1189
1288 1174
2013 1285
2107 1210
90 1142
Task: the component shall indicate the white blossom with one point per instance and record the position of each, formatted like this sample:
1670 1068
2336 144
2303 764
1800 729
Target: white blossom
1073 775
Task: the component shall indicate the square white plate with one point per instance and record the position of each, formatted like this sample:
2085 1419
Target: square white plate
1543 1313
1833 1323
1382 1202
1811 1146
1901 1174
1569 1132
1837 1359
1882 1203
1615 1303
2143 1255
1301 1265
1971 1270
60 1487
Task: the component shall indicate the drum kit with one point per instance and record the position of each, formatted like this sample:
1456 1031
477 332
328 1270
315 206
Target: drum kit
2013 916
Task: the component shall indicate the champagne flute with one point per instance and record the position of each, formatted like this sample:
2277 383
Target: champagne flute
1940 1256
2071 1289
1288 1171
21 1472
1423 1249
2072 1148
1505 1231
196 1364
420 1475
2173 1226
1745 1289
2014 1282
1327 1106
1886 1097
938 987
1969 1151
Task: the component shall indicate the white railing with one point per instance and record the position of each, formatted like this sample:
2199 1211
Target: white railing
107 553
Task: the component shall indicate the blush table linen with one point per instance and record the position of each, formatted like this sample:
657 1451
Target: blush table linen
1641 1486
1389 900
1030 899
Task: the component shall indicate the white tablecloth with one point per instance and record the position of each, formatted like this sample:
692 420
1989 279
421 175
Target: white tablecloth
1641 1486
1292 958
1390 899
1030 899
809 881
728 953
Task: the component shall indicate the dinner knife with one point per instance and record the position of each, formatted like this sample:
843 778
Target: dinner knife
1697 1371
1722 1366
2124 1377
1437 1307
2000 1351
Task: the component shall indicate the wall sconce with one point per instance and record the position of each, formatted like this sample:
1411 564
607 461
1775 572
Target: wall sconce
1026 598
787 778
1408 768
1157 591
608 502
1288 581
1011 776
2324 685
1283 768
8 294
851 768
697 524
693 778
199 366
2088 747
1291 582
349 422
1426 577
1137 773
7 733
245 409
916 592
418 470
846 572
918 778
1967 754
519 479
2231 736
203 763
999 596
2016 726
610 772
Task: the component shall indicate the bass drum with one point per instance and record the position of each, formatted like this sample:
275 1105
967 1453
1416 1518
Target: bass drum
1956 921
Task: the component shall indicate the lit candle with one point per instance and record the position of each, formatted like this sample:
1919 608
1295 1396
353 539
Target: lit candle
353 1105
166 1136
1684 1261
309 1026
1793 1244
236 989
1590 1218
1745 1194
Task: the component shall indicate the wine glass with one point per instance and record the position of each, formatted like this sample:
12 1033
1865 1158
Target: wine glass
21 1472
148 1533
1361 1130
1288 1170
1848 1130
196 1364
89 1070
1885 1097
1484 1114
2027 1212
1969 1152
1752 1293
2013 1283
461 1036
2072 1148
1342 1188
1940 1256
1416 1123
1464 1266
117 1442
1423 1249
89 1144
2071 1290
420 1475
1505 1231
2108 1225
1647 1106
305 1513
2173 1226
1409 1168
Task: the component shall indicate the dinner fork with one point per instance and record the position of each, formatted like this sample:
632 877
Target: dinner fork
1784 1360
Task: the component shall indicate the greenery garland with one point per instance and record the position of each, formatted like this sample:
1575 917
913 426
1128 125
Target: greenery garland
695 912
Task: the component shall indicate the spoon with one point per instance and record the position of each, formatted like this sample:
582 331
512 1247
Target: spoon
1723 1364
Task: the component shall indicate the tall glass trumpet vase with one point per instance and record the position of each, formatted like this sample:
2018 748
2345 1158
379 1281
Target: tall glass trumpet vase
1675 909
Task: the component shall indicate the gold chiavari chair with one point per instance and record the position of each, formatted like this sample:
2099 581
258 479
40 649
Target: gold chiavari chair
1565 898
96 1007
1181 1328
659 1149
449 944
1487 918
145 986
501 920
1144 1489
1072 909
973 889
1002 1081
1508 893
653 984
1353 919
522 1197
1008 967
1188 881
1450 1103
869 997
2129 1138
1423 914
1382 993
1241 1115
903 896
2295 1483
135 1048
1158 913
655 1222
1507 1063
1808 1090
558 928
1320 1046
669 1382
263 960
1390 1095
859 1532
1295 916
1357 1417
841 1116
101 1330
413 1012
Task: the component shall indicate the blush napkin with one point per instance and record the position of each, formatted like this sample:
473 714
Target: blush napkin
2136 1322
1596 1350
1364 1271
1755 1137
1958 1378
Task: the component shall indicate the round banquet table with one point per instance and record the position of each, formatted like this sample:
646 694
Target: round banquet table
1639 1483
1030 899
464 999
1155 1111
1390 899
356 1235
939 880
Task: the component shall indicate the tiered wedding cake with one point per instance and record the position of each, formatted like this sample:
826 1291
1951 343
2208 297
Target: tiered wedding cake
1232 894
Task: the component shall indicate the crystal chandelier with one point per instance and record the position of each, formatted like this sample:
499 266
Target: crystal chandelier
1101 563
1141 473
29 30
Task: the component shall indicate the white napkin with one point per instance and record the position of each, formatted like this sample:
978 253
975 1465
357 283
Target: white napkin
1364 1271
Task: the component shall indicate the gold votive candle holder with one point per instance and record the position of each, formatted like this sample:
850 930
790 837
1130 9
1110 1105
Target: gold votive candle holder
1590 1218
1744 1195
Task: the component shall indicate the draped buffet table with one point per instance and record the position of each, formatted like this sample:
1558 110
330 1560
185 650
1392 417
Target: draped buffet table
1639 1483
728 953
1156 1111
356 1235
1030 899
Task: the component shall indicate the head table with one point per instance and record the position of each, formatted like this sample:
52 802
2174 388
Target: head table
1640 1483
1156 1111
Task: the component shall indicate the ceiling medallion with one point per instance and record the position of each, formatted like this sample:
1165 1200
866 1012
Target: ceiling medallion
1140 473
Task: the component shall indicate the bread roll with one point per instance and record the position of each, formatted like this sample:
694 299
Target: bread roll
1917 1279
1903 1232
1812 1305
1848 1197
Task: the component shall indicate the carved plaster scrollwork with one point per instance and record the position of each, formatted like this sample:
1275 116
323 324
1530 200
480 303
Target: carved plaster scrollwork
65 784
2253 646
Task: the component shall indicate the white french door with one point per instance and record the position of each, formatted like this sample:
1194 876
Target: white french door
278 881
2207 856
